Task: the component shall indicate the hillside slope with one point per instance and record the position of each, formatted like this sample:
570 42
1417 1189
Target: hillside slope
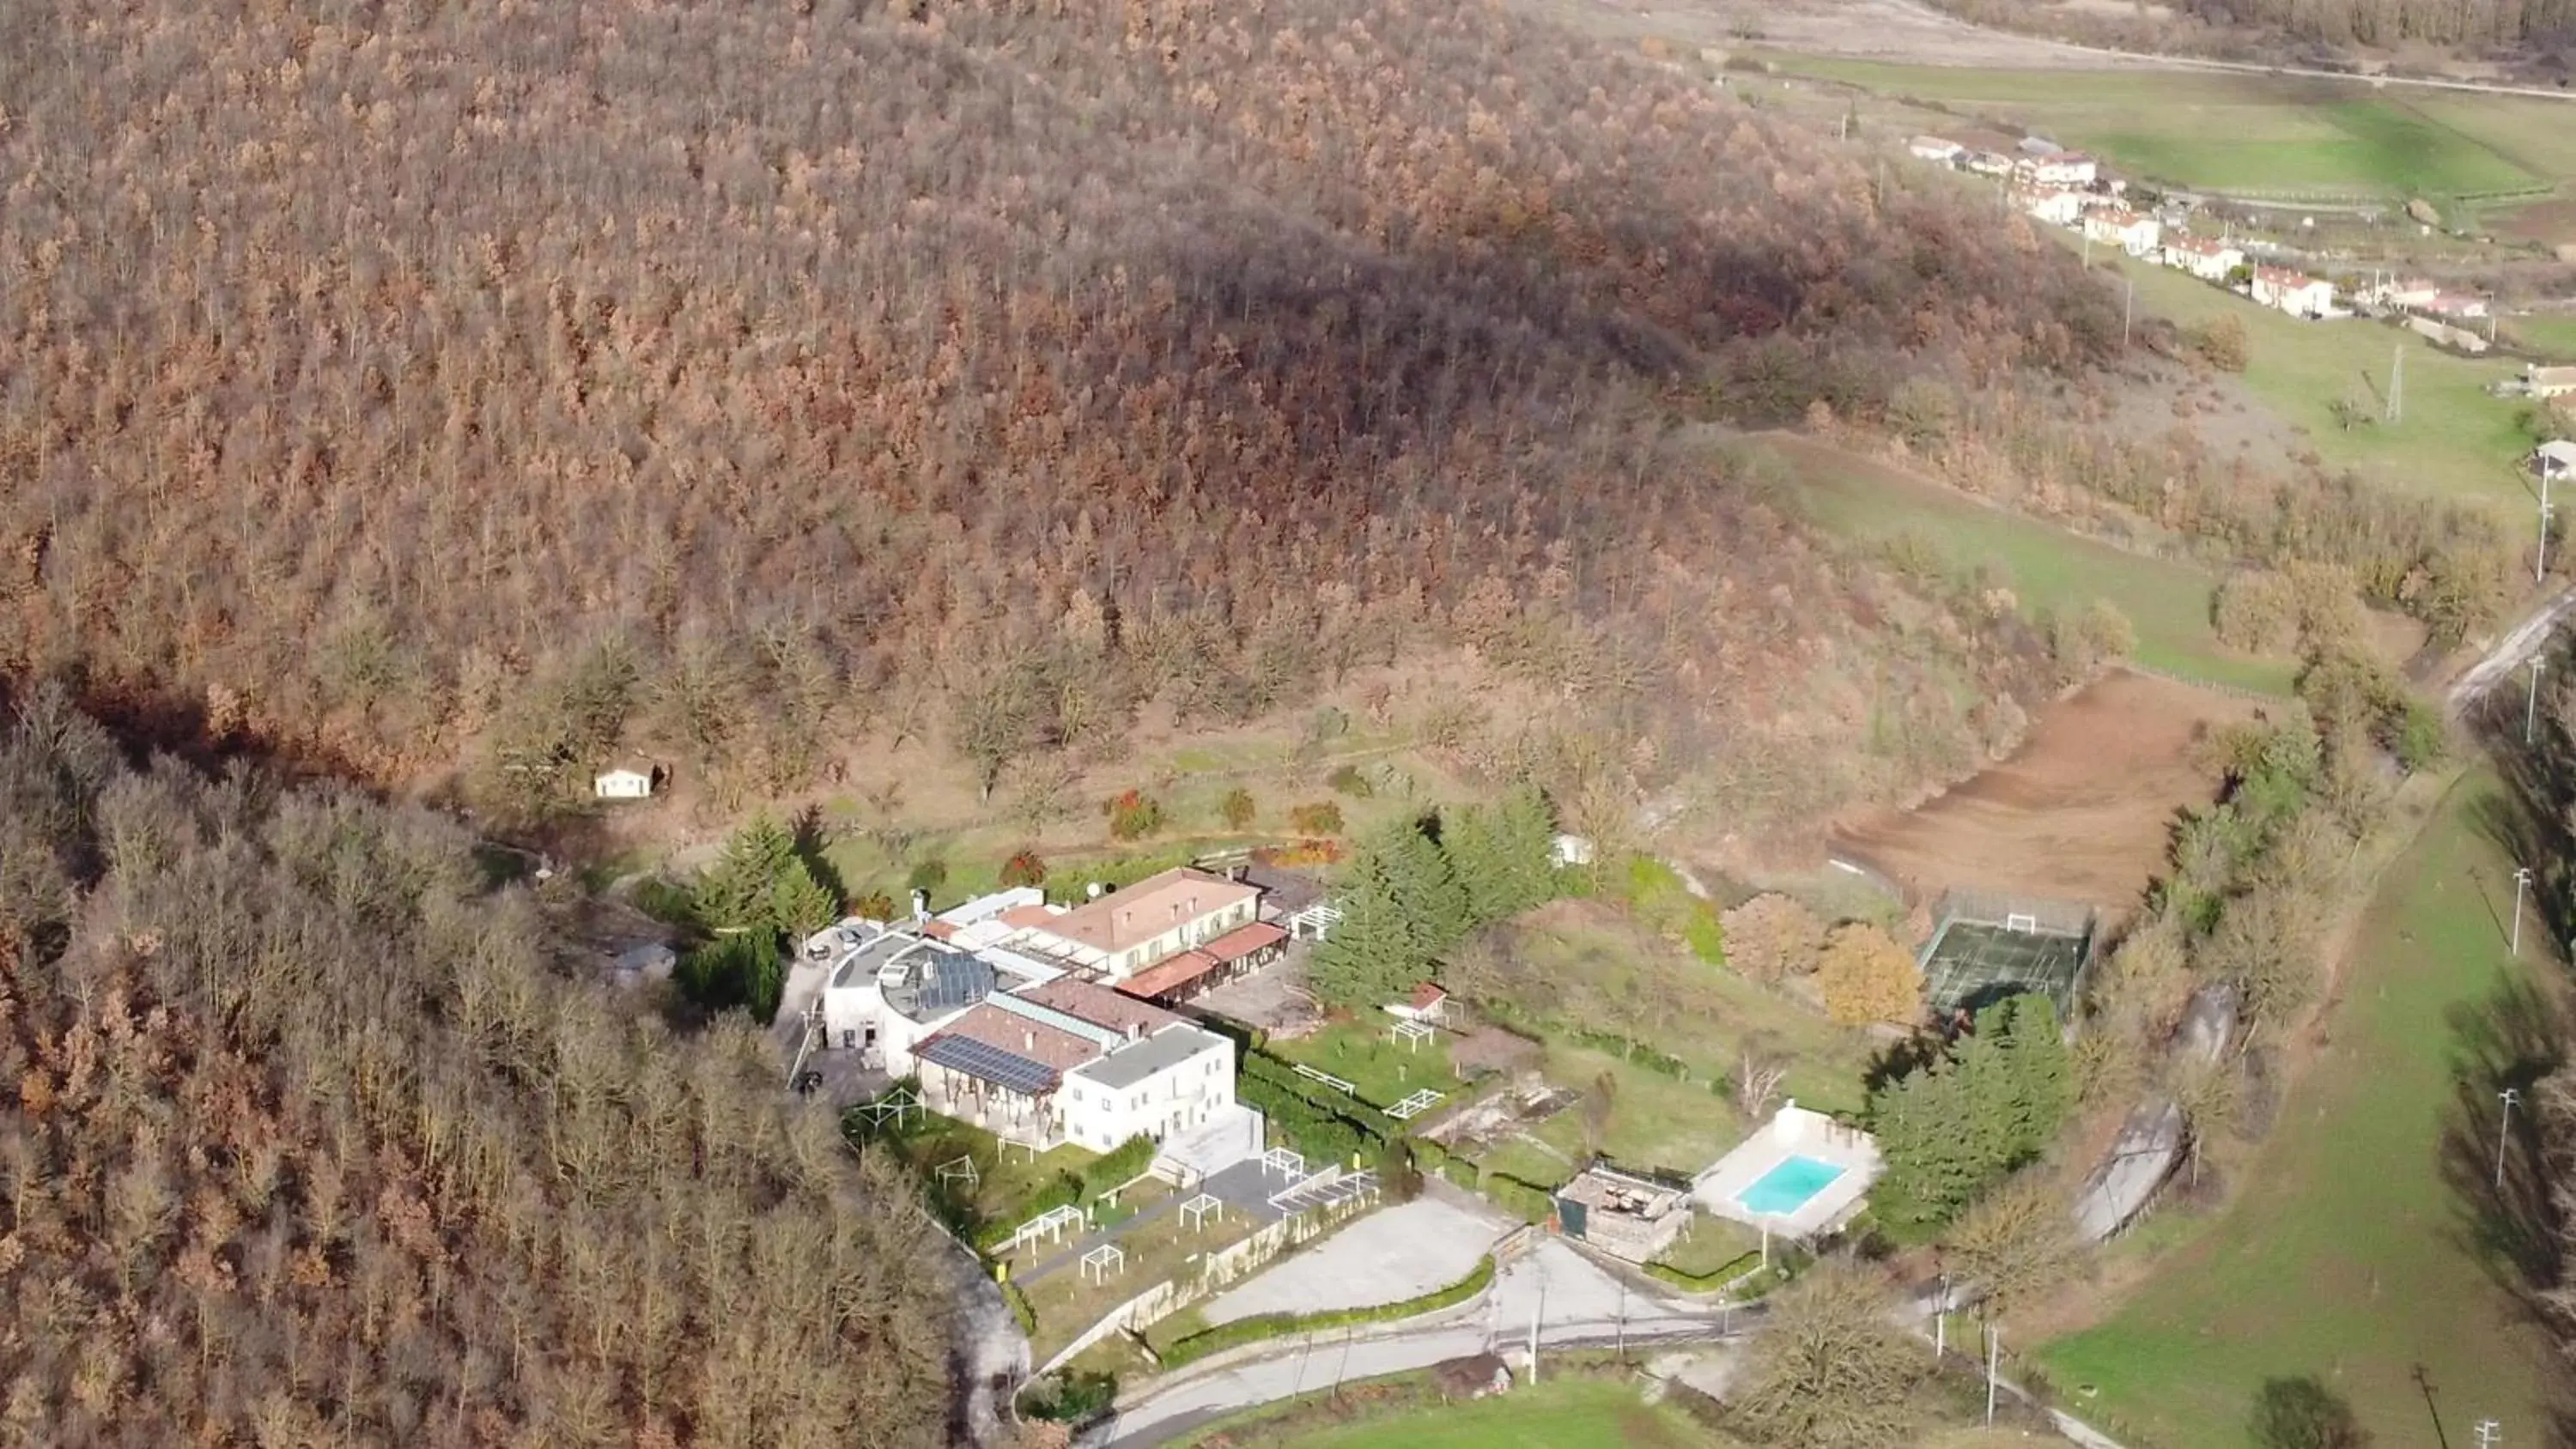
302 1143
519 382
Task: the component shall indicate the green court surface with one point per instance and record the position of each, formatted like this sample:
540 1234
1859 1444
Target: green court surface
1971 964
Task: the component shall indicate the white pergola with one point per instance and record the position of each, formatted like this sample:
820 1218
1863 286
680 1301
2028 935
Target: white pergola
1286 1163
1198 1210
1412 1033
960 1168
1415 1104
897 1104
1102 1261
1049 1225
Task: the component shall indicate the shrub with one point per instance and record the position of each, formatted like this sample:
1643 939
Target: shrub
1349 781
1772 937
1529 1201
1025 868
1237 809
1867 977
1264 1327
2222 342
2256 611
1320 818
874 906
1133 815
2089 638
929 875
1069 1396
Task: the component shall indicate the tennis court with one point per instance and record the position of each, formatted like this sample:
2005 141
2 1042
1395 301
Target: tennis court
1973 964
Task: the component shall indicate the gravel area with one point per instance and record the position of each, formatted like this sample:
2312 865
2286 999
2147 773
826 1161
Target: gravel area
1386 1257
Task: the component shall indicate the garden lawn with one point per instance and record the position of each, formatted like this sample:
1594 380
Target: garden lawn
1564 1414
1655 1120
1363 1053
2553 335
1709 1244
2451 439
2247 134
2167 601
1005 1175
2343 1255
1578 942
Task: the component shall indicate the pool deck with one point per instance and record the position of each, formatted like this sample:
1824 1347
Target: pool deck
1793 1132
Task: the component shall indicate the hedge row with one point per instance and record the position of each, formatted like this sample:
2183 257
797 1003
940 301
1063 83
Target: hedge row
1119 1165
1267 1326
1531 1202
1712 1280
1324 1123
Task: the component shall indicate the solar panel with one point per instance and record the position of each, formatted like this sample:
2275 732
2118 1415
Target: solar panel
1004 1069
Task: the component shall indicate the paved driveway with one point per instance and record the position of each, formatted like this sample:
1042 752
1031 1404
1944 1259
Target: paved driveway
1386 1257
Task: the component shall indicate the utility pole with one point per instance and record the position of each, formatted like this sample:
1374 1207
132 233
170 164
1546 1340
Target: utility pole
2531 712
2489 1434
2397 386
2521 881
1536 1309
2504 1126
1941 1321
2540 568
1994 1350
2128 307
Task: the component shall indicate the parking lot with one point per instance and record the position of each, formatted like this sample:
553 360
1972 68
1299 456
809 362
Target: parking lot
1386 1257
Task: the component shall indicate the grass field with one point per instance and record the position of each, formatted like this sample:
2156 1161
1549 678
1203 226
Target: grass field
2251 133
2166 601
2554 335
2343 1255
1564 1414
2450 439
1364 1054
1655 1121
1825 1061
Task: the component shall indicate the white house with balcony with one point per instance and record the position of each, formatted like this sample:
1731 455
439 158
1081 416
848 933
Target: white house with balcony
2054 205
2293 292
2211 261
2125 229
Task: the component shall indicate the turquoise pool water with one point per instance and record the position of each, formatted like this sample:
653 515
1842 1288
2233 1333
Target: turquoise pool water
1785 1188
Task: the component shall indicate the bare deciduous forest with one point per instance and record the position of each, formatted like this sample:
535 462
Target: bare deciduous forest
408 386
306 1146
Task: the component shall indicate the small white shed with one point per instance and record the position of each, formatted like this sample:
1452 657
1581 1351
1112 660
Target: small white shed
623 783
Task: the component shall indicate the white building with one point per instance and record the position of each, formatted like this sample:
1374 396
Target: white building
1071 1061
2296 293
1157 1086
1127 931
2211 261
892 987
1990 163
1933 148
2065 168
2555 459
622 784
2054 205
2125 229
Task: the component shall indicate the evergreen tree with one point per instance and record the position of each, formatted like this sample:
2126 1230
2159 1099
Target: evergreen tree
1422 882
1994 1103
1933 1166
1525 844
1373 954
763 886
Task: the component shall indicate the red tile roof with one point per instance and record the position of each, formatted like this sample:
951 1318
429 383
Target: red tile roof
1428 995
1100 1006
1170 975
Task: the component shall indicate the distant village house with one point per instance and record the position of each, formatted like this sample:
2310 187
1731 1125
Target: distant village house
1933 148
2130 232
2293 292
2210 261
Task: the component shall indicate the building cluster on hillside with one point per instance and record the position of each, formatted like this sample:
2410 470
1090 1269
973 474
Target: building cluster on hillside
2070 189
1047 1024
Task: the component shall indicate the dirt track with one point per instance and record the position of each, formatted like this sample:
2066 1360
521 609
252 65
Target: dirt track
2079 813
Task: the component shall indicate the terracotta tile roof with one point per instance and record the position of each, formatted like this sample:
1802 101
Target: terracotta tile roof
1428 995
1100 1006
1169 976
1028 916
1147 909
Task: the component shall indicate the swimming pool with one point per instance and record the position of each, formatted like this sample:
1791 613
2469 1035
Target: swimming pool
1787 1186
